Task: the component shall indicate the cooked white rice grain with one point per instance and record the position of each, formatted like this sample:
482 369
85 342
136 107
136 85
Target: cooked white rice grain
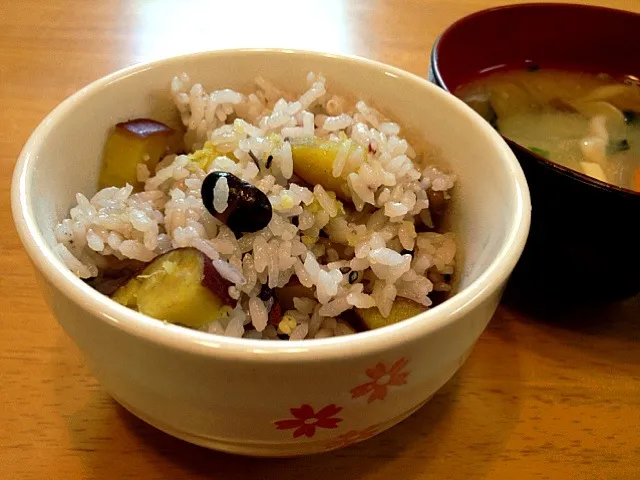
324 333
258 313
326 202
235 328
76 266
300 332
361 300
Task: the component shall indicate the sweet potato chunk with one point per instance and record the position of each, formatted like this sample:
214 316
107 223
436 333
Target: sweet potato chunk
402 309
313 163
181 286
139 141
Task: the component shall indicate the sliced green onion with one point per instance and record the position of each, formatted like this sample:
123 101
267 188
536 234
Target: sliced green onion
539 151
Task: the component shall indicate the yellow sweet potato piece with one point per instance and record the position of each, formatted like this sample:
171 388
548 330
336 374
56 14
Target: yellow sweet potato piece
313 163
132 143
402 309
181 286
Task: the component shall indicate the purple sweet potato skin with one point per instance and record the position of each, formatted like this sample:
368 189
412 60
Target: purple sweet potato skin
145 127
216 283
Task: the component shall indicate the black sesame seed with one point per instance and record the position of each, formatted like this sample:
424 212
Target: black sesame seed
353 276
254 158
269 160
345 270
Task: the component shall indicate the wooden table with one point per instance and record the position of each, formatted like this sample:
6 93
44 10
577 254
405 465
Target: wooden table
542 396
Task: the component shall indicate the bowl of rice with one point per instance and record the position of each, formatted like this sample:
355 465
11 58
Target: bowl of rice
270 252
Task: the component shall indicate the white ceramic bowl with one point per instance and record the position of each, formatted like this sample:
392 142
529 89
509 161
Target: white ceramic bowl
228 394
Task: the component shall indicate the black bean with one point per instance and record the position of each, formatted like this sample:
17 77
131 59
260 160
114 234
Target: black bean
269 160
248 208
295 221
353 277
344 270
265 293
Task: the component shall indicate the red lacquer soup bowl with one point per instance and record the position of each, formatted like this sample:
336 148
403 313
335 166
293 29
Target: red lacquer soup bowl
585 234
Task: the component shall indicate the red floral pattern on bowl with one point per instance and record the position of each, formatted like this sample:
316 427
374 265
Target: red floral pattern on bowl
352 436
381 380
306 420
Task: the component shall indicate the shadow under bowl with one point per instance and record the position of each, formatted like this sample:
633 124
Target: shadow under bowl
584 244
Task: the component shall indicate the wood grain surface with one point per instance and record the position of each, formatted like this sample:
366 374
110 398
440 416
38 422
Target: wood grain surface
551 394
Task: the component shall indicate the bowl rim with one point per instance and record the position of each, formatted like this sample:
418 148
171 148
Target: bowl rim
556 167
206 344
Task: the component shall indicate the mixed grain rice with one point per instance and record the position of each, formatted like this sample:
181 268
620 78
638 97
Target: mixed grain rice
375 237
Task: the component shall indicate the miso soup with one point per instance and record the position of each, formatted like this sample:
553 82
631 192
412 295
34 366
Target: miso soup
586 122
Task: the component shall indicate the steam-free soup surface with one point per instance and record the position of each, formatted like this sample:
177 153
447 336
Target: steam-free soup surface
587 122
